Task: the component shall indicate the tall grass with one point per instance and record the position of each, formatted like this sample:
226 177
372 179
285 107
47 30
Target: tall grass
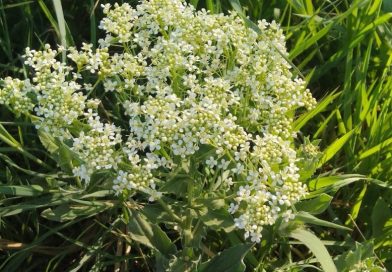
343 49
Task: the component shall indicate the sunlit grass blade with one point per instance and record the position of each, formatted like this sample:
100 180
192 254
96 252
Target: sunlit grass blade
8 6
61 25
299 48
321 106
384 146
335 147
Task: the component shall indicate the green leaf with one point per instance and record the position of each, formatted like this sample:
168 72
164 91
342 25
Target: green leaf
321 106
150 235
315 205
380 183
40 202
6 137
357 256
210 203
47 141
213 213
371 26
156 214
194 2
316 247
67 158
376 149
98 194
357 206
10 162
305 217
204 152
177 185
59 24
229 260
334 148
64 156
381 213
68 212
9 140
300 48
331 183
61 214
32 190
218 219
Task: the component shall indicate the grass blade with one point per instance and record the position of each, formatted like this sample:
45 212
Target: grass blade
61 24
334 148
321 106
375 149
33 190
300 48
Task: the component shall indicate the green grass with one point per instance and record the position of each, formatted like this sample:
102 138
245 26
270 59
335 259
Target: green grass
343 49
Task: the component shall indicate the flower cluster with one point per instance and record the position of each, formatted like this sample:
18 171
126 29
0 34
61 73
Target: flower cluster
59 101
183 79
96 147
15 94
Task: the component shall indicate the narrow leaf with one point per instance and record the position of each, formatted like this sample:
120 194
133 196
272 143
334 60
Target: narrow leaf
321 106
309 42
310 219
61 23
331 183
32 190
334 148
376 149
316 247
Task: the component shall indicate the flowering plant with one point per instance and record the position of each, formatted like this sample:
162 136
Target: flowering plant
179 107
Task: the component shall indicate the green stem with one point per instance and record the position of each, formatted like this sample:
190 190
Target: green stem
187 228
188 252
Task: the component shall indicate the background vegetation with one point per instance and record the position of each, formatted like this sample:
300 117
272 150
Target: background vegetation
344 50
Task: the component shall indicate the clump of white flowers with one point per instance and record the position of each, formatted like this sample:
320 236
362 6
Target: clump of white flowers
183 79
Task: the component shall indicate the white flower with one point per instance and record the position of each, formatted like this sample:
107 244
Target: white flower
223 164
110 85
211 162
238 169
82 173
229 181
233 208
240 222
154 195
255 237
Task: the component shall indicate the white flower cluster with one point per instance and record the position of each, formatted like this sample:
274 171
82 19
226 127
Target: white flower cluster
59 100
96 147
272 185
14 94
183 79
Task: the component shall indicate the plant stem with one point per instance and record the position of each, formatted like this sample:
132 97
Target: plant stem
188 219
